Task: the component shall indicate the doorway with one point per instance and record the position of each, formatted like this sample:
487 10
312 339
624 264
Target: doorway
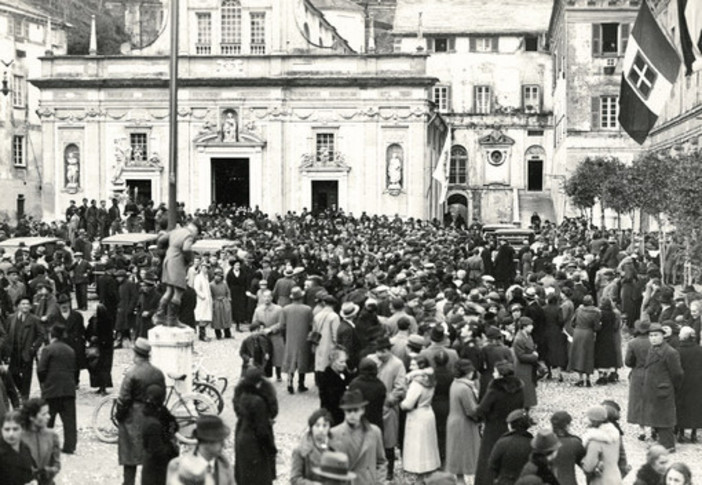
325 195
139 191
535 175
230 181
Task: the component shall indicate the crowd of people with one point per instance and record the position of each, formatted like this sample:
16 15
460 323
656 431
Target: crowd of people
426 340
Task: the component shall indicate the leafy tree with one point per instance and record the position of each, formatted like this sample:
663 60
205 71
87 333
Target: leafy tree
586 186
618 192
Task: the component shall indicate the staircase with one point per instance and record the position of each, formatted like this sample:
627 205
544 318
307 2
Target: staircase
539 202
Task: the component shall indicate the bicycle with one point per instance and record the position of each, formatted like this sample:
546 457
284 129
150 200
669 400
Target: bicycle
210 385
185 407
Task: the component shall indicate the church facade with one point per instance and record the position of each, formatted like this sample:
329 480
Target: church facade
276 110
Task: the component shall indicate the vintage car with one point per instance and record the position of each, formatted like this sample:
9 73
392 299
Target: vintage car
515 236
29 244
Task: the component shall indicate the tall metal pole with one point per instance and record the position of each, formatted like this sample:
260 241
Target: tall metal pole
173 121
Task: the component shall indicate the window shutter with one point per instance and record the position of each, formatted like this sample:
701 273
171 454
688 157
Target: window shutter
623 38
448 98
472 44
596 40
595 108
495 44
452 44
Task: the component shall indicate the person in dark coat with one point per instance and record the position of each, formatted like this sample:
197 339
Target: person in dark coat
332 384
545 447
606 343
25 334
651 472
504 395
443 377
256 350
238 284
372 388
130 408
149 296
534 311
512 450
188 301
689 396
256 407
571 451
635 358
556 356
74 324
493 352
663 375
99 338
347 336
16 460
505 266
160 445
586 322
56 371
128 300
296 323
526 359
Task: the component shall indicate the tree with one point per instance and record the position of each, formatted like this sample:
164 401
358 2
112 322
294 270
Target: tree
586 186
618 192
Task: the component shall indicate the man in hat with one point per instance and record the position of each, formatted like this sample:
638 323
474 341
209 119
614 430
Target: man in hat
399 311
663 375
296 323
210 432
361 441
16 289
24 337
74 330
269 316
178 245
283 287
149 297
56 370
91 220
103 220
544 449
130 408
81 273
44 304
439 342
128 299
347 335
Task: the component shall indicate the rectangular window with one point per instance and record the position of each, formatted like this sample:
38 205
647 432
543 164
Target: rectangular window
531 99
440 97
441 44
258 33
18 152
18 91
204 33
325 147
231 28
483 100
21 28
609 110
484 44
609 39
531 43
139 143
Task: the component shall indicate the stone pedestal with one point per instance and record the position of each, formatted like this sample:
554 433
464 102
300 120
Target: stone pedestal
172 352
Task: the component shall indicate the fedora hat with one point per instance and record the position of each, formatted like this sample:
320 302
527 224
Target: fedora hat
545 442
516 414
415 343
383 343
288 272
349 310
142 347
334 465
656 327
210 428
297 293
437 334
642 326
352 399
63 298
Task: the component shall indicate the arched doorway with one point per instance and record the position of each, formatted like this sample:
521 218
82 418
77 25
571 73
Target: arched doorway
535 157
457 205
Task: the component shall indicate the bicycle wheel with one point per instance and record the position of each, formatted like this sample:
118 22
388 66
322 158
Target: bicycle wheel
104 423
186 409
223 382
211 391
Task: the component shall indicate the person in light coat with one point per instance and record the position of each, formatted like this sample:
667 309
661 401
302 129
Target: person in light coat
462 432
601 441
326 323
296 322
203 306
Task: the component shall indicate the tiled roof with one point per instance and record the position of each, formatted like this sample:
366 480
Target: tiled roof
472 16
337 5
23 7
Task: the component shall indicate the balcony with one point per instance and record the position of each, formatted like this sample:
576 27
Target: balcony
258 49
203 49
229 49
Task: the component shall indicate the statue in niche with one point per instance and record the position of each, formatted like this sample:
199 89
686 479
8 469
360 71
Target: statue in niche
394 170
72 166
121 157
230 126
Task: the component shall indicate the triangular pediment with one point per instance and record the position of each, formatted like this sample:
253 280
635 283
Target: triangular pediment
214 138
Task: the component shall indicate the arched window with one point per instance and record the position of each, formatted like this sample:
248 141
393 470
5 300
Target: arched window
458 172
231 27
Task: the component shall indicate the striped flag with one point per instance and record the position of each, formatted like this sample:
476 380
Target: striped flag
443 166
690 18
651 66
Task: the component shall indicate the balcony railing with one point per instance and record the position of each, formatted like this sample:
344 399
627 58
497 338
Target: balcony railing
258 48
230 49
203 49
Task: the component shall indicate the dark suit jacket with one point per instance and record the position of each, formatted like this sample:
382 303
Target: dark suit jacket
81 272
75 334
30 334
347 337
57 371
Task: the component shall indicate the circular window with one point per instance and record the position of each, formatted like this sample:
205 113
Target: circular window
496 157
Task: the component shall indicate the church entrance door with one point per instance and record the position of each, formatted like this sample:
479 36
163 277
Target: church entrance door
230 181
325 195
139 191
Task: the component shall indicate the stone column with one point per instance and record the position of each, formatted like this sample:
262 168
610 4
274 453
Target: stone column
172 352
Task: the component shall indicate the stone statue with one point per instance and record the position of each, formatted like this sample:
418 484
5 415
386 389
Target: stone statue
395 171
229 127
177 244
72 167
121 155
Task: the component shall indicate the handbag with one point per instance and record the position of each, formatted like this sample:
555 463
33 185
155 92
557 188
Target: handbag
314 337
92 355
540 369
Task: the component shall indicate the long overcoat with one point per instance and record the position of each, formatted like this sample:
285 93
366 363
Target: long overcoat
462 433
636 352
296 321
178 256
128 300
392 374
254 447
75 335
689 396
326 322
203 307
586 322
369 463
525 359
662 376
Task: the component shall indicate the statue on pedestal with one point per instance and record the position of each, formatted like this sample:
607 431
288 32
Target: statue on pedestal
178 246
72 163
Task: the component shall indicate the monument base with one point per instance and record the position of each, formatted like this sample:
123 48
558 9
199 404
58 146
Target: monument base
172 352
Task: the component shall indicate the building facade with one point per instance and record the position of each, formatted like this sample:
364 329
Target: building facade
276 110
26 34
494 89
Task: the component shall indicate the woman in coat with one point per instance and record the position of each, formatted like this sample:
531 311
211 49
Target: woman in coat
651 472
332 384
43 442
221 305
571 452
526 359
16 460
236 280
462 432
308 453
601 441
504 394
203 306
373 390
160 445
512 450
256 406
99 337
606 343
635 358
420 453
493 352
440 402
689 395
557 355
586 322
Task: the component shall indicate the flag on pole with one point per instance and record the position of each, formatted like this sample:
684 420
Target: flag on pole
690 18
442 168
650 68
